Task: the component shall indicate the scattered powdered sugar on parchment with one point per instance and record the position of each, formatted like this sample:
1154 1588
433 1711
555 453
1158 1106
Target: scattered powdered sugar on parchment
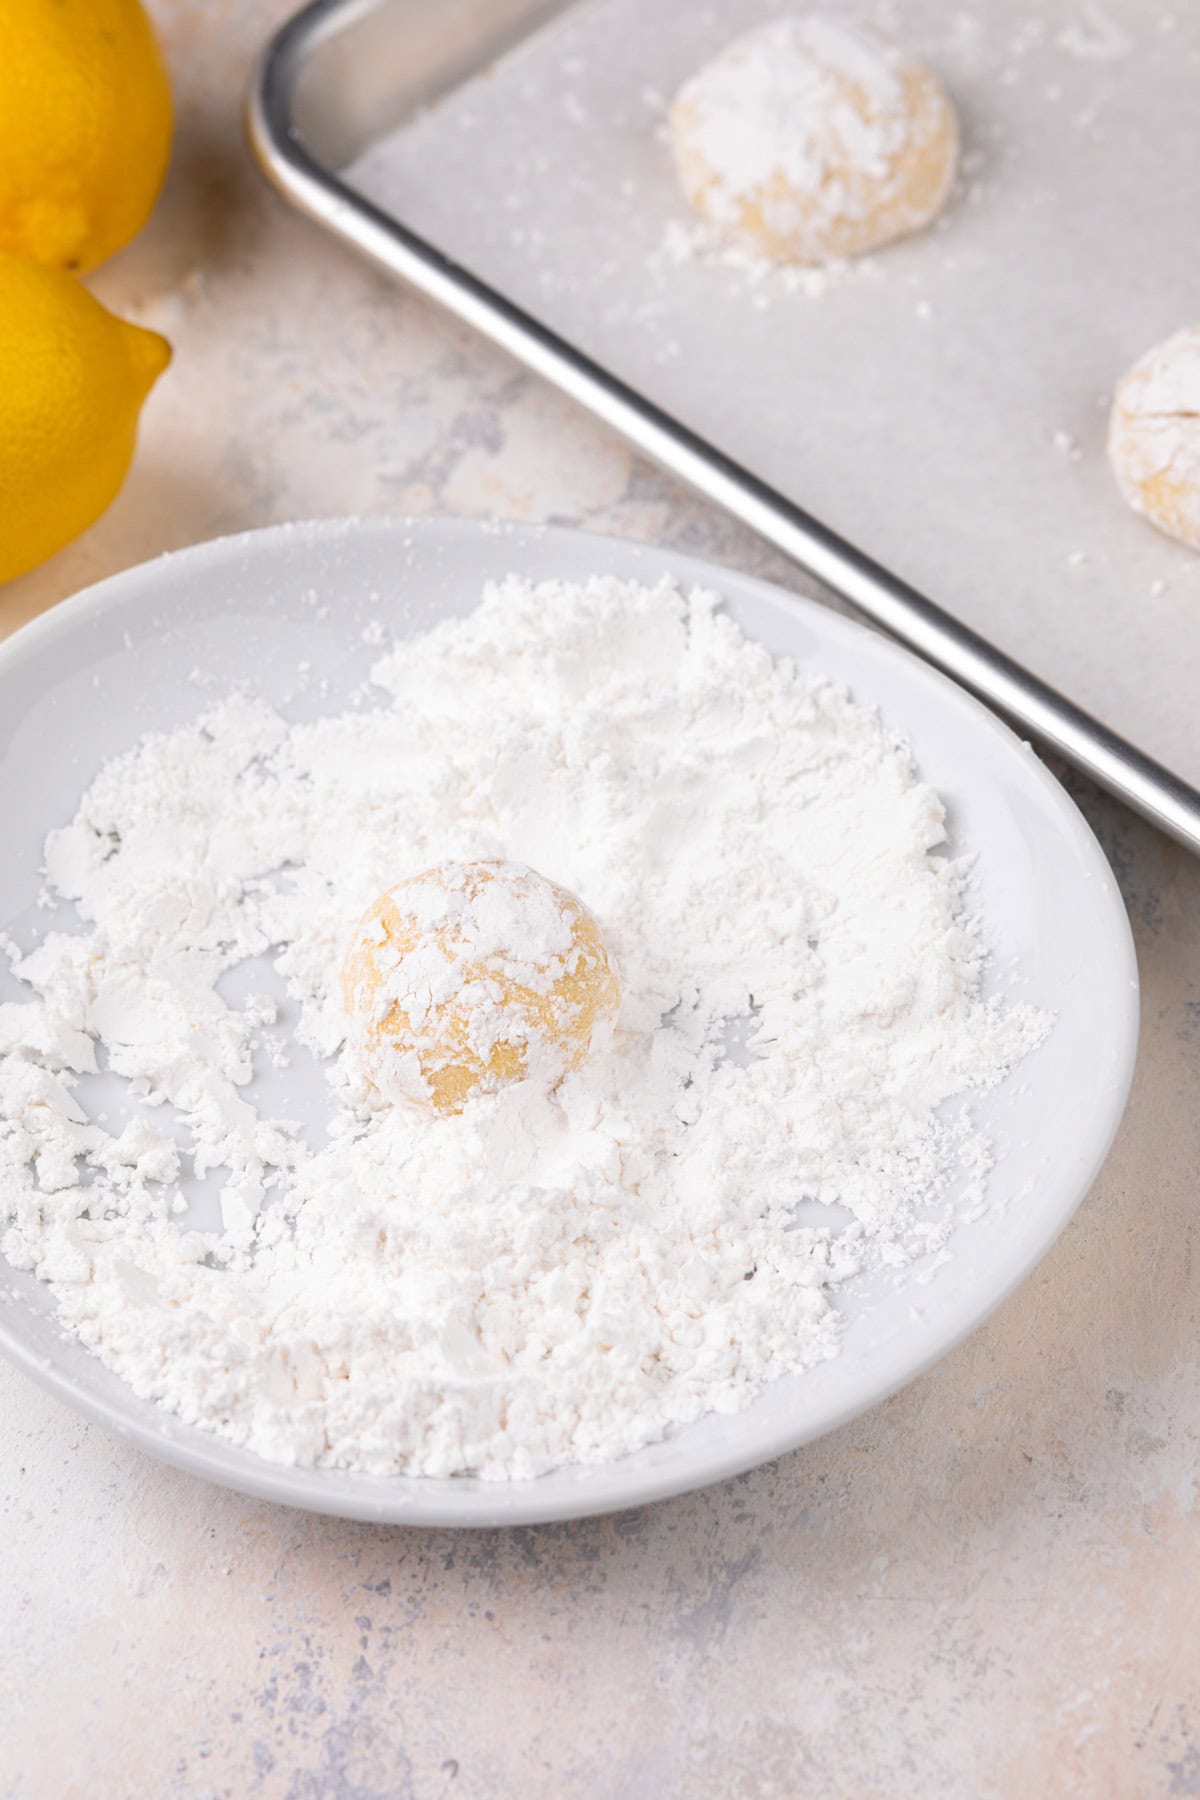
687 241
545 1276
1095 37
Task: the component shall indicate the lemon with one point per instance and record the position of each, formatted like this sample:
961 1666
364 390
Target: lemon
85 128
72 382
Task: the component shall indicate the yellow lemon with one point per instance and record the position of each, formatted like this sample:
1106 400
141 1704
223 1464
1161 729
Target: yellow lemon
85 128
72 382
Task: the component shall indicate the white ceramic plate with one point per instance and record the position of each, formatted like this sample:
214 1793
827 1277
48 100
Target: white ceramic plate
87 679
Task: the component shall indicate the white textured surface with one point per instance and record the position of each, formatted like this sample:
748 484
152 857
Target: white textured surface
989 1586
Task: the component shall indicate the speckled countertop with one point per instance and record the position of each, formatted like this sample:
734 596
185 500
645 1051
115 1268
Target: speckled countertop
988 1586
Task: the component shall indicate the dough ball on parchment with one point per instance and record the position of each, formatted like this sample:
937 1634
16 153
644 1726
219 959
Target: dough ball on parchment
810 140
1154 436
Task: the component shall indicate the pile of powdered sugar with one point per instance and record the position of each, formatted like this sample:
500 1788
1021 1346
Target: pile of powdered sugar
545 1276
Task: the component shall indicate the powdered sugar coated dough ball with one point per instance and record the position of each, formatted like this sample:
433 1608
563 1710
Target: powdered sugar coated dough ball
1154 436
471 976
812 140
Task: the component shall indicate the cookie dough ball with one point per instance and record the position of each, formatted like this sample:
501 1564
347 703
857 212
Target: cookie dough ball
1154 437
471 976
811 140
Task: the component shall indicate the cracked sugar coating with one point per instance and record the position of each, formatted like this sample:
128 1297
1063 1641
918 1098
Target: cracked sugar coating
811 140
472 976
1154 436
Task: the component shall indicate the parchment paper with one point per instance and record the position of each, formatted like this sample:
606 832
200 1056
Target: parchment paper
942 405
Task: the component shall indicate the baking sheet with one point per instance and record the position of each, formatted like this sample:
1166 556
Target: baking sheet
943 405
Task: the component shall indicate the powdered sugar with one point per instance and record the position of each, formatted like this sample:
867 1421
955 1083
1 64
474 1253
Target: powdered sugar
687 241
553 1273
775 105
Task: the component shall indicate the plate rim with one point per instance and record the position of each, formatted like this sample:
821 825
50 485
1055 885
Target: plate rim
511 1503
